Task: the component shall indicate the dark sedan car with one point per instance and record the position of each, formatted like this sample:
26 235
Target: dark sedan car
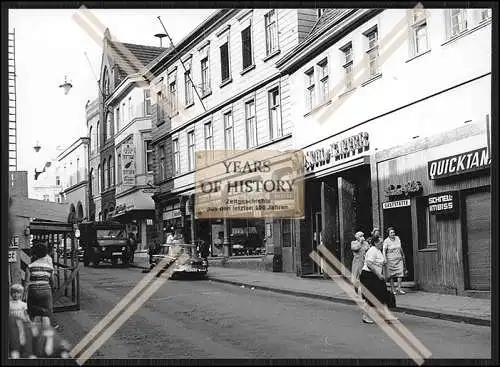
194 266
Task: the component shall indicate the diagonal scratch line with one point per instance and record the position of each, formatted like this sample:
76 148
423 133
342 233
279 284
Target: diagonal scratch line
378 306
119 308
375 315
402 329
124 316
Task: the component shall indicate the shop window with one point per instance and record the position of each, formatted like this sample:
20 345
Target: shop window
427 226
286 227
247 237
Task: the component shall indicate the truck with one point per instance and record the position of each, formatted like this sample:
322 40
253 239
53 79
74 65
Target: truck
105 240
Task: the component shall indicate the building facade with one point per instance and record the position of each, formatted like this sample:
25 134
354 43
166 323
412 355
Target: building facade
119 60
94 164
48 183
221 90
74 181
365 83
134 188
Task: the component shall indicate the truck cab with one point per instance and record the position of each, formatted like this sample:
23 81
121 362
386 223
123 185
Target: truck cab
105 240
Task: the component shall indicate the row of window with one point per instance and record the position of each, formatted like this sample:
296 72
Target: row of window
316 78
275 128
171 103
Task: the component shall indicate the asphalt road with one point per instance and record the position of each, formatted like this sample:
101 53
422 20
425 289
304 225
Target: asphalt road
205 319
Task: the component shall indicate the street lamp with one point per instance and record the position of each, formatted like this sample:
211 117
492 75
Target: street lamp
66 86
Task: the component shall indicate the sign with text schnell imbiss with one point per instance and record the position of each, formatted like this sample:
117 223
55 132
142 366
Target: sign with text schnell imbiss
444 203
128 164
471 161
249 184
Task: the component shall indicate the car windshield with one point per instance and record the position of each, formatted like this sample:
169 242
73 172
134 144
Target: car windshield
110 233
183 249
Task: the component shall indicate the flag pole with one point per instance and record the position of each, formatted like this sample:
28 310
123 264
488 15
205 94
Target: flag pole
177 54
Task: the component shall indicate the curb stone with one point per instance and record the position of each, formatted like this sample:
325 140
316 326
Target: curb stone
405 310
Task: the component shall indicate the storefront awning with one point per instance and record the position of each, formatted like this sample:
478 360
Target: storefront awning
356 162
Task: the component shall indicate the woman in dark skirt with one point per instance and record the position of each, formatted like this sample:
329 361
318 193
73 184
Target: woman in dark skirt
373 279
39 283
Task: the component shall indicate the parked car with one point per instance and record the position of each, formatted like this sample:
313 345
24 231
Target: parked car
195 265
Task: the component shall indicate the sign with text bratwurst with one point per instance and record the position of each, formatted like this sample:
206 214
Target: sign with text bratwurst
128 165
249 184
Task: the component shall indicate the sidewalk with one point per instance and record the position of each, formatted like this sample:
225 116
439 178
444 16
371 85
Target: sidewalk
434 305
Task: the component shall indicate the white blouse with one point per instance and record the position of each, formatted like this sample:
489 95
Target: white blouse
376 257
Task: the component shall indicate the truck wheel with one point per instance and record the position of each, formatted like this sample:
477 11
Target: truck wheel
86 262
114 260
96 262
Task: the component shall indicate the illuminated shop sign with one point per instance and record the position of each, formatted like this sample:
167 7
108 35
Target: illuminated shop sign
444 203
474 160
337 151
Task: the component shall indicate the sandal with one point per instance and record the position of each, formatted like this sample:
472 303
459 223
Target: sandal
367 320
400 291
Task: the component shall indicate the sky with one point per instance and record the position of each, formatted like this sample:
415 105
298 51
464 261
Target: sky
50 45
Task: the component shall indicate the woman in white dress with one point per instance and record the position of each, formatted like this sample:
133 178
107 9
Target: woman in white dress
395 259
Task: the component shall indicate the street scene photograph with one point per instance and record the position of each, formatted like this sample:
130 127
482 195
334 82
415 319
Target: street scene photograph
249 184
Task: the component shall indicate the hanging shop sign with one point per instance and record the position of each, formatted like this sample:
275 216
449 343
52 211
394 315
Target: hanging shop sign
444 203
171 214
396 204
411 188
336 151
128 164
458 164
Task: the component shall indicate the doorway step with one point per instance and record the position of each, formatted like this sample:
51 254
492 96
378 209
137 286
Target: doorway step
408 285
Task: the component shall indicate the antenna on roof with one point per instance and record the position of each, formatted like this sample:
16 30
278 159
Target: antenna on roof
160 36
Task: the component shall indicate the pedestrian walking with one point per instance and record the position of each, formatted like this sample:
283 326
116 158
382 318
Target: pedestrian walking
358 247
373 280
395 257
39 282
17 307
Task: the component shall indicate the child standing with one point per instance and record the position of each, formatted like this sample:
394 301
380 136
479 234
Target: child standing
17 307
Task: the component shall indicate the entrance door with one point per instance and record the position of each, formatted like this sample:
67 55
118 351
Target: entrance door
317 227
400 219
329 218
347 219
478 209
287 245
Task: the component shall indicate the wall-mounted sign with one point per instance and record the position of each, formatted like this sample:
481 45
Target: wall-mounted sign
171 214
128 164
444 203
396 204
410 188
336 151
474 160
12 256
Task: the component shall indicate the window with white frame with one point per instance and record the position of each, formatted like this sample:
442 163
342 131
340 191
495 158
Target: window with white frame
485 14
246 47
188 88
111 171
177 157
148 147
323 80
347 65
147 102
224 62
372 52
271 24
251 124
205 79
457 21
160 108
427 225
119 169
118 118
275 123
172 89
310 89
418 32
228 131
191 150
130 109
209 139
161 163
